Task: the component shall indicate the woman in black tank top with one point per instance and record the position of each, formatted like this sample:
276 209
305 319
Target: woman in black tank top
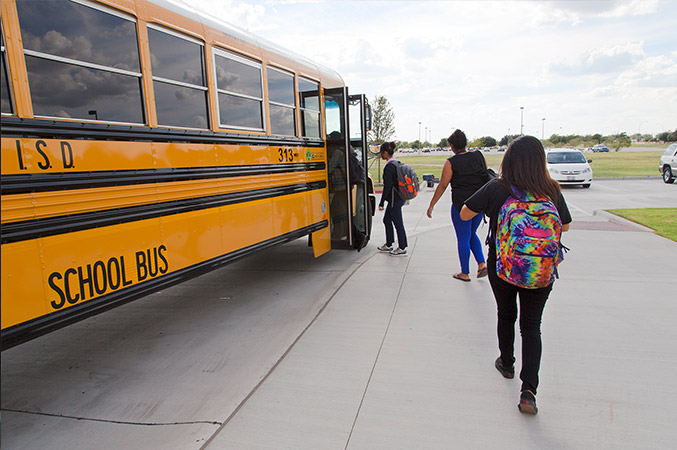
466 172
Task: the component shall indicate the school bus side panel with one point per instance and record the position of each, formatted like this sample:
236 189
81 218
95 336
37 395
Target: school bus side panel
23 292
49 274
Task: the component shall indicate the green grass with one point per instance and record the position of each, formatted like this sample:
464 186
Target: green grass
604 165
625 164
662 220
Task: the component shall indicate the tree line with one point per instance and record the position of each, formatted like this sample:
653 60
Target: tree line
383 129
613 141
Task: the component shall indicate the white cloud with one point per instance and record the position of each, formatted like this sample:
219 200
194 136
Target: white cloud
658 72
605 8
604 91
602 60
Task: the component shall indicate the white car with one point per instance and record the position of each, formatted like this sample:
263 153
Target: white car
668 165
569 166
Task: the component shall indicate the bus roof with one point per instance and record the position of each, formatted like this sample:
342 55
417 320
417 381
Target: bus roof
274 53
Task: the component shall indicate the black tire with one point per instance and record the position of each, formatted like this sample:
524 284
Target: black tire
587 185
667 175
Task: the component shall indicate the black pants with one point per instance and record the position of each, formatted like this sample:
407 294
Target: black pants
531 304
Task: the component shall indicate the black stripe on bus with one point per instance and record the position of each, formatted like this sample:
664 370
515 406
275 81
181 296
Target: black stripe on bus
53 129
45 182
32 329
50 226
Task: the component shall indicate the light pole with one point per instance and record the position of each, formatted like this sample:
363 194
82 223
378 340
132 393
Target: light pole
521 120
425 135
543 130
639 131
419 132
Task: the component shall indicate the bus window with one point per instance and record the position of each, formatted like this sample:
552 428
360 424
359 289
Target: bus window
355 117
178 79
82 62
281 102
333 119
6 102
309 99
240 90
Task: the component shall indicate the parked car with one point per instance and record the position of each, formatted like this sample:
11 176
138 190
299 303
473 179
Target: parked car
569 166
600 148
668 165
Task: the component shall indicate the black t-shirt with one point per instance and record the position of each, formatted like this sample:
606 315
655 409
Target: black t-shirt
389 183
469 173
490 197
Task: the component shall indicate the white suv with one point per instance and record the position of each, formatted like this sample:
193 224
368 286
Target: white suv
668 165
569 166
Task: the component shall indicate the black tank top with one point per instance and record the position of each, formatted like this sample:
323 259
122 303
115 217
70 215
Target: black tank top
469 173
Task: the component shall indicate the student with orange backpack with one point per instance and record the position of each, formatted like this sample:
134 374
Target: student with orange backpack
393 212
527 214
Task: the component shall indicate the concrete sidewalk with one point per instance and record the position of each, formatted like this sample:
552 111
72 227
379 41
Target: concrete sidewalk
402 358
363 351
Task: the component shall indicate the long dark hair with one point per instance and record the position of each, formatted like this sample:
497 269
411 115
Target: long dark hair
524 167
388 147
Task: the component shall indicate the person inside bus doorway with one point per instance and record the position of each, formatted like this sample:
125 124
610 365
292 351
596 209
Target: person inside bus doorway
358 183
393 212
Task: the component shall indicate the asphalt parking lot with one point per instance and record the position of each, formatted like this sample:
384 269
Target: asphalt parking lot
363 351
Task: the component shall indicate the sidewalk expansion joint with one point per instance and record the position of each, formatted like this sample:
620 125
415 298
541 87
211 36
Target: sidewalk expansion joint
350 272
119 422
380 348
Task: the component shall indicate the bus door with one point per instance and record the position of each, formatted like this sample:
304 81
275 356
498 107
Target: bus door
363 200
349 207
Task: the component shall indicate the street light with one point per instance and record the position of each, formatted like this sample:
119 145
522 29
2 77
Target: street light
425 135
639 131
521 120
419 132
543 130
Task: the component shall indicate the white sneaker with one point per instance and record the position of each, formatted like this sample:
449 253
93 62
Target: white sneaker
398 252
385 248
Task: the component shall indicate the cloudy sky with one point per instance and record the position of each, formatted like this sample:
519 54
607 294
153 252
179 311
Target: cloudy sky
585 66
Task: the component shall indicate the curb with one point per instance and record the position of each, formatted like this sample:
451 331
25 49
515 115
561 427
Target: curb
648 177
621 221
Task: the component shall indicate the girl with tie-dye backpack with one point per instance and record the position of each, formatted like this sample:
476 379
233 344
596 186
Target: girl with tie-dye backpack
528 247
527 215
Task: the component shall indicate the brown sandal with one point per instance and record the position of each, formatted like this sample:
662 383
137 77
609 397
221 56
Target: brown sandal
459 277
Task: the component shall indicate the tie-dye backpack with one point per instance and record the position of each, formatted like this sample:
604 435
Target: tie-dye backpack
528 246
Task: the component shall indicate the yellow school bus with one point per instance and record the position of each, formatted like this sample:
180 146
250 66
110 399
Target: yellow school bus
144 144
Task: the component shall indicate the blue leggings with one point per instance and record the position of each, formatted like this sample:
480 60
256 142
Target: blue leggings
466 237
